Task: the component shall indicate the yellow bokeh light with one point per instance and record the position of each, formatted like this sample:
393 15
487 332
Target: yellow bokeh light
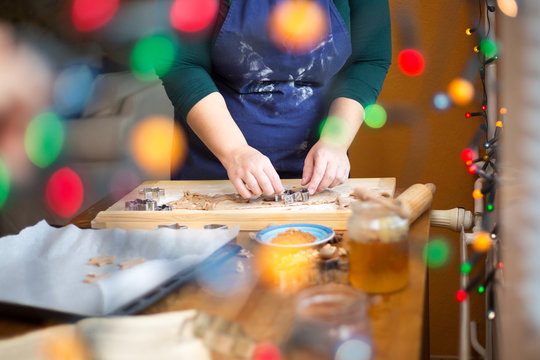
461 91
499 124
298 25
508 7
157 146
503 111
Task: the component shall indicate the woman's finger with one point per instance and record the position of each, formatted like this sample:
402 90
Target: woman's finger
252 184
318 173
241 187
329 176
308 168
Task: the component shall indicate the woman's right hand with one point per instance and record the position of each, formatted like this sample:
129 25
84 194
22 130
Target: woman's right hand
251 173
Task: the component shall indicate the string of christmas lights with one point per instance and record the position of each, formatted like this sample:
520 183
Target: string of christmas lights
480 158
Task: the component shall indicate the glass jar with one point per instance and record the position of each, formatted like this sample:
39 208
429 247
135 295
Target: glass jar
378 248
329 320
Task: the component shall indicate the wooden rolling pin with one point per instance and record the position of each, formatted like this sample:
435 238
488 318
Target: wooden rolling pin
409 204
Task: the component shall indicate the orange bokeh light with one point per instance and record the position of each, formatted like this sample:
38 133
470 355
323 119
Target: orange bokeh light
298 26
482 241
157 146
461 91
284 269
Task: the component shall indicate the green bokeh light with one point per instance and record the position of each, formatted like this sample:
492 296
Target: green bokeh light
489 207
481 289
436 253
488 48
43 139
4 183
375 116
333 130
466 268
152 56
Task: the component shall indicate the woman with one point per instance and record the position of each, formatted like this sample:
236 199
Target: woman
252 110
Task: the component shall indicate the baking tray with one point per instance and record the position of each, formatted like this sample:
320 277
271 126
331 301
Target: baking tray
39 314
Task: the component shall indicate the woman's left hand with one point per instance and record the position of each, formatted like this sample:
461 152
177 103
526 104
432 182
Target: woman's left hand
325 166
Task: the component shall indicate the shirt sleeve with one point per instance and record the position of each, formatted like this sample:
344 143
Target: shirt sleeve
188 79
362 77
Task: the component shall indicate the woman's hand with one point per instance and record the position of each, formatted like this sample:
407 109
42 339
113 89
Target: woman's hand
325 166
251 173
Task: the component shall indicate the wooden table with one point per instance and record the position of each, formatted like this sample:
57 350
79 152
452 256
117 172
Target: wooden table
399 320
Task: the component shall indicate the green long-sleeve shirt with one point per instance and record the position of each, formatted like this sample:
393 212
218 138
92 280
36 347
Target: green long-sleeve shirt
361 78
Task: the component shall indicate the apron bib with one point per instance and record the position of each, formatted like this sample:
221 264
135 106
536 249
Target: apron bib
275 97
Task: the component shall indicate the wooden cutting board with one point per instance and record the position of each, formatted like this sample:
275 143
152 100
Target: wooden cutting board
228 208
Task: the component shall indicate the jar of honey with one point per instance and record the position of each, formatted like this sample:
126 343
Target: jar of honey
378 248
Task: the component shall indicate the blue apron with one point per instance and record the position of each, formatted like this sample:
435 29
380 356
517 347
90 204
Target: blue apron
276 97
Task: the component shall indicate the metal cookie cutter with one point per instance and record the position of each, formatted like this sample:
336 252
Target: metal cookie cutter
145 205
215 226
175 226
152 193
289 196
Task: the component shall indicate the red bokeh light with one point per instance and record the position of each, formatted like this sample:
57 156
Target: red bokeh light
467 155
461 295
90 15
266 351
193 15
411 62
467 115
64 192
471 169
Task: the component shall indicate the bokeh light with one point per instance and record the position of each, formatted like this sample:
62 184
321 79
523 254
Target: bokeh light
123 181
481 289
436 253
481 241
508 7
157 146
471 169
297 26
90 15
375 116
152 56
466 268
193 15
333 131
461 91
354 349
467 156
461 295
266 351
441 101
4 183
64 192
282 268
72 89
411 62
43 139
488 47
477 194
